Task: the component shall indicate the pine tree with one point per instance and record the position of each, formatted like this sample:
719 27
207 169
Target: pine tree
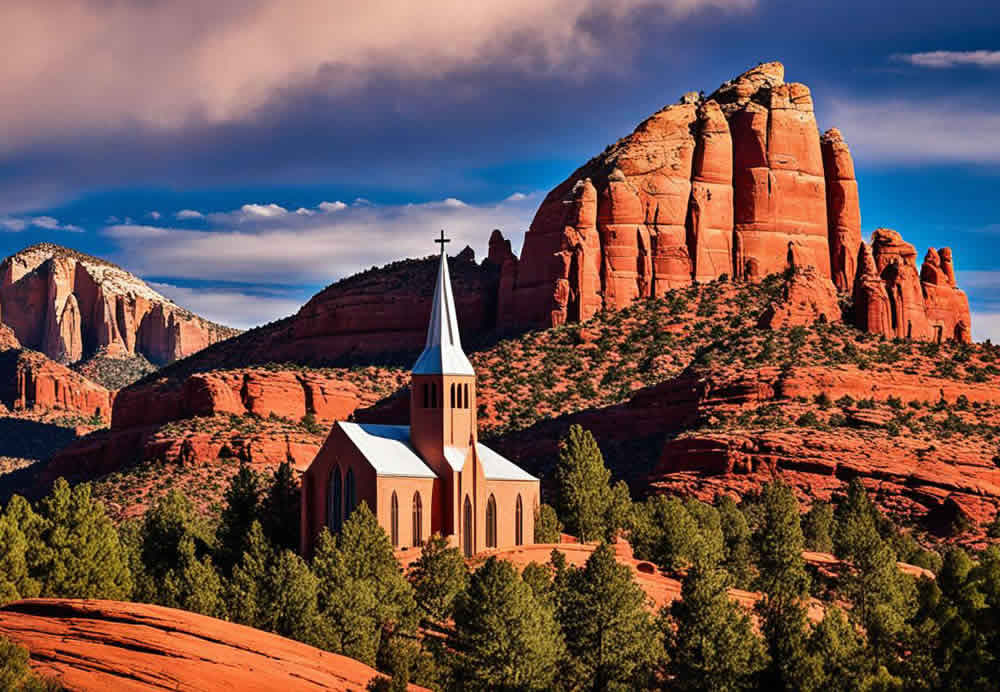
836 648
609 634
710 545
274 590
364 599
504 637
438 576
582 478
15 580
665 532
242 507
79 552
281 509
817 527
738 546
548 528
711 643
16 674
539 578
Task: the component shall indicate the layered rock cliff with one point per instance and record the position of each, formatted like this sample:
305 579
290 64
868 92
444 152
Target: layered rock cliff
68 306
720 186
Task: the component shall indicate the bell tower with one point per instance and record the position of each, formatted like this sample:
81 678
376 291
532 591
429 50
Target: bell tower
443 385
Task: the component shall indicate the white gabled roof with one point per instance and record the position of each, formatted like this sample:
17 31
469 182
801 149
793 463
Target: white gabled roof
499 468
455 457
443 353
387 448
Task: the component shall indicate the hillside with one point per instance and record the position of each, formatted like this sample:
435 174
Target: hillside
69 306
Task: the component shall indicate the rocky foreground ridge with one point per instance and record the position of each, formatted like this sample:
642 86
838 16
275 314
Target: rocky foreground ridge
70 306
96 646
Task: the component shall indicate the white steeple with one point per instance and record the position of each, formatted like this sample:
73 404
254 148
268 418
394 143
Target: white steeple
443 353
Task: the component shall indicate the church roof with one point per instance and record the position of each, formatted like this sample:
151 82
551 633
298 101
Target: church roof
443 353
387 448
499 468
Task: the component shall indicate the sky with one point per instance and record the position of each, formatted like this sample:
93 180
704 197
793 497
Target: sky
240 155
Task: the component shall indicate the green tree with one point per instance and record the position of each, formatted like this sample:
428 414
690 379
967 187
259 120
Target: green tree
16 674
711 643
364 599
591 508
15 579
281 511
837 648
505 638
173 566
883 597
539 578
274 590
548 528
817 527
738 545
609 633
241 509
438 576
79 552
664 531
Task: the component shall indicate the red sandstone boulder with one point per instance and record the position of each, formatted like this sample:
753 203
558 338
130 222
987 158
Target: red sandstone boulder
109 645
57 301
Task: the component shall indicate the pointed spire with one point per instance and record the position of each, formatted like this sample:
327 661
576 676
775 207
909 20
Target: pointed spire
443 353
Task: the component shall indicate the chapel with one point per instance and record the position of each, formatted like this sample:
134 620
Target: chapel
432 476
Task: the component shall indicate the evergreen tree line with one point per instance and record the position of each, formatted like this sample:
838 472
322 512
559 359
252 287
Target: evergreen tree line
551 626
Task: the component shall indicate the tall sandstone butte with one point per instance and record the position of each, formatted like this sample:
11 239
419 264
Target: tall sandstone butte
69 306
715 186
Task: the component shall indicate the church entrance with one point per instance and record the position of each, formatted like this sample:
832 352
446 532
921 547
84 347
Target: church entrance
467 543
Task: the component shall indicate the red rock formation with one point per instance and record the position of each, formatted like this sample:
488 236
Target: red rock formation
843 209
806 298
896 261
947 307
8 340
710 213
68 305
96 646
872 309
30 381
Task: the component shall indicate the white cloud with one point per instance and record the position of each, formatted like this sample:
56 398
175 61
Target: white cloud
231 307
187 214
942 59
517 197
93 65
154 215
267 211
314 249
46 223
13 224
328 207
911 132
302 211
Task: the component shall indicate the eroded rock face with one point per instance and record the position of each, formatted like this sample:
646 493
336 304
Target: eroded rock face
924 305
95 646
709 187
843 209
69 305
31 381
806 298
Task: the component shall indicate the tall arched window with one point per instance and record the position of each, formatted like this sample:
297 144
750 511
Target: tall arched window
394 519
350 494
334 500
491 523
418 520
467 404
467 542
519 522
453 404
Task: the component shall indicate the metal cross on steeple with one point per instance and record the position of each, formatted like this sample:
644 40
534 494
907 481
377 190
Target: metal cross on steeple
442 240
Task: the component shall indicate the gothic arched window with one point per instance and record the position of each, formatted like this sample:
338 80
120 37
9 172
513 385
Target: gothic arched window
350 494
519 522
394 519
334 500
467 542
418 519
491 523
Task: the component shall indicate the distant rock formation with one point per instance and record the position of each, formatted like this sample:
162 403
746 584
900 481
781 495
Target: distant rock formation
892 298
69 305
712 187
29 381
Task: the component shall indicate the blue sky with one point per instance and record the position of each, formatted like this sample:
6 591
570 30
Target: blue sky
241 155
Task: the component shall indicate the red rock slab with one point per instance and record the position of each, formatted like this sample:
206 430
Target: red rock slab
90 645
